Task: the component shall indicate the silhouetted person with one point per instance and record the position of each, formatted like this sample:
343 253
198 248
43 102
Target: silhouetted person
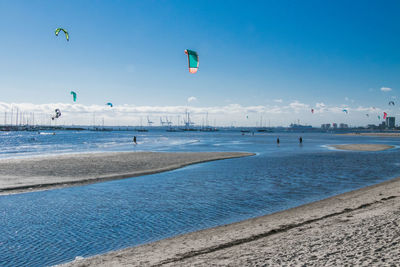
277 140
300 140
134 140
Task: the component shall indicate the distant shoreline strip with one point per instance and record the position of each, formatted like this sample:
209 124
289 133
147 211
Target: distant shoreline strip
373 134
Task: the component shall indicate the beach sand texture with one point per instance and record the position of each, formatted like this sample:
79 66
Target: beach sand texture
363 147
356 228
38 173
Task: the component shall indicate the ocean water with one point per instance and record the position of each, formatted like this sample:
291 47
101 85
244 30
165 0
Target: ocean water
55 226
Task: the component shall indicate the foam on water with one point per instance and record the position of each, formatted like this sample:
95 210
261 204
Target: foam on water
330 147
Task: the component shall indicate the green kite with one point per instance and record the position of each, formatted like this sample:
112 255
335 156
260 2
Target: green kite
73 95
61 29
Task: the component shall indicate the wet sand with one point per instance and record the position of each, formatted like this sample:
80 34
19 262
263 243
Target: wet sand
363 147
356 228
39 173
374 134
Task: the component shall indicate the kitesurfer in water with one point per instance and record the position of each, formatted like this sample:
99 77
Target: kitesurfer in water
300 140
134 140
277 140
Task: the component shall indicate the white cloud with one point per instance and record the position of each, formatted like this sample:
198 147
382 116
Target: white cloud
278 100
79 114
363 109
128 114
338 110
346 98
296 106
320 107
191 99
386 89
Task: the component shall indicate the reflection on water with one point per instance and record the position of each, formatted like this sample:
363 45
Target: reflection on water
50 227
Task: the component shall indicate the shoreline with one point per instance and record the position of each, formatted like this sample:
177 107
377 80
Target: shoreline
312 233
376 134
20 175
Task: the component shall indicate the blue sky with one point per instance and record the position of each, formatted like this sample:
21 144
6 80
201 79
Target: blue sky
252 54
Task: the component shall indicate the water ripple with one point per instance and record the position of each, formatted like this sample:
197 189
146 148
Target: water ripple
50 227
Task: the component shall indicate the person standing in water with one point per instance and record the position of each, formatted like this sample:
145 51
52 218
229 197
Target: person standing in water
277 140
300 140
134 140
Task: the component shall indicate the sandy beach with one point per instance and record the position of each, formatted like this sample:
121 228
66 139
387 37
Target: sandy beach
356 228
373 134
38 173
363 147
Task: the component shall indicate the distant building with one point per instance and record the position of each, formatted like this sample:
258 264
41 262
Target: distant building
334 125
390 122
326 126
343 126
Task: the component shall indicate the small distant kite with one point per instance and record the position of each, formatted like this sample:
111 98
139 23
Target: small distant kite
345 110
65 32
379 117
391 103
57 114
109 104
73 95
384 115
312 111
193 60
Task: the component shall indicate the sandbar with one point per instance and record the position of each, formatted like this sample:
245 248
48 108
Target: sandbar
363 147
358 228
39 173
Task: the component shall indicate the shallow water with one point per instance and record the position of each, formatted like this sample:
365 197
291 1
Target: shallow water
55 226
